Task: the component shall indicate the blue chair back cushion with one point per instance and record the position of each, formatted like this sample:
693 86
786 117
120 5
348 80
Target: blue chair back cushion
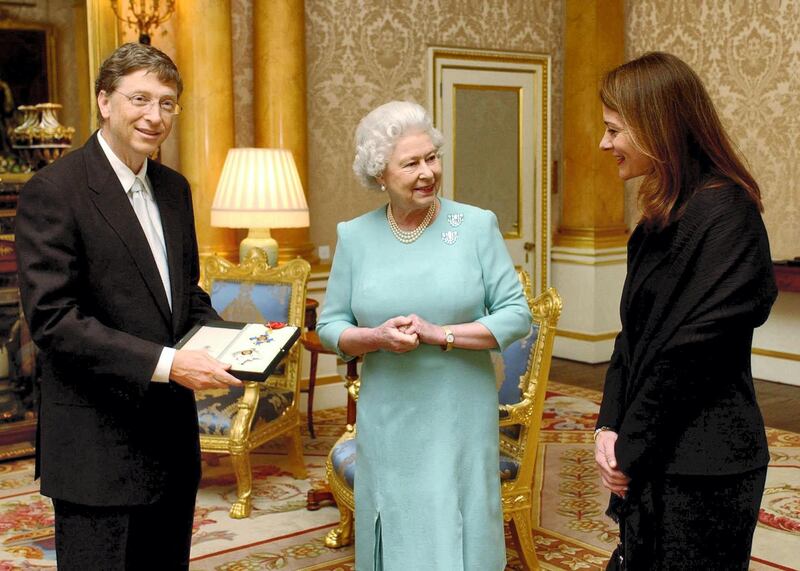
515 361
251 302
216 409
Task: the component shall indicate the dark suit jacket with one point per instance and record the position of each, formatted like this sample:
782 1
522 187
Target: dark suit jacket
98 314
680 392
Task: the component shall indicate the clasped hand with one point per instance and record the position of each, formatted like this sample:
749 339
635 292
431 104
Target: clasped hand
405 333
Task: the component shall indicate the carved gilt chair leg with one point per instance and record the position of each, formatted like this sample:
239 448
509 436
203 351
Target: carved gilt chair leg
244 485
342 535
295 451
522 532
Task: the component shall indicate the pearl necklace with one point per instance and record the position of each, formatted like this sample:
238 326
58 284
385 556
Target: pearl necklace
408 236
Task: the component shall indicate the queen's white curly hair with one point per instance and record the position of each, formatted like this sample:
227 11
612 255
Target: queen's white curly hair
378 132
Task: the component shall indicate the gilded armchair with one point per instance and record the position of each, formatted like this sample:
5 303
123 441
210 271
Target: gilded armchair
522 394
522 374
238 420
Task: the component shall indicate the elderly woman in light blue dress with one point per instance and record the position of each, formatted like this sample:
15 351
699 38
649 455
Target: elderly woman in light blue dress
423 288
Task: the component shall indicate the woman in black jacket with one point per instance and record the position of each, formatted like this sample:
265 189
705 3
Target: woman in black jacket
680 439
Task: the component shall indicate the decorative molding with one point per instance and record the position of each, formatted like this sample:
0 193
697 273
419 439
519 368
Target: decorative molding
591 337
20 450
775 354
612 262
589 256
592 238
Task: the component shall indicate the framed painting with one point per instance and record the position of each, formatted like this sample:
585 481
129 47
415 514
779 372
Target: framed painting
27 76
27 63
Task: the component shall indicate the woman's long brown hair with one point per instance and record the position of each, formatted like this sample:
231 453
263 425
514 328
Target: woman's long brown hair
671 119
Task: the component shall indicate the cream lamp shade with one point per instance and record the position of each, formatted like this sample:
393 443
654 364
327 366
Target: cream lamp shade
259 189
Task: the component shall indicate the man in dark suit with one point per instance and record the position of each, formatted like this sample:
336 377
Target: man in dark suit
109 267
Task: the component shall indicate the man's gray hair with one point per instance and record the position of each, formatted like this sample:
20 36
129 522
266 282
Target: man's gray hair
378 132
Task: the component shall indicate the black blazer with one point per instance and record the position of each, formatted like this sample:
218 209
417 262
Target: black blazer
97 311
680 393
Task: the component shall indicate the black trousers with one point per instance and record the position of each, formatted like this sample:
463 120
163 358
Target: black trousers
126 538
702 523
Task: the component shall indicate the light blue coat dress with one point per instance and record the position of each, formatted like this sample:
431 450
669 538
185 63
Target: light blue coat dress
427 487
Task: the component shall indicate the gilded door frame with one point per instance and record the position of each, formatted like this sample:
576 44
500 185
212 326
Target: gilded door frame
441 58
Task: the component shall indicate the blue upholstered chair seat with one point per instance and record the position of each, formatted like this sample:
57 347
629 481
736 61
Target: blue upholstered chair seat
216 409
343 458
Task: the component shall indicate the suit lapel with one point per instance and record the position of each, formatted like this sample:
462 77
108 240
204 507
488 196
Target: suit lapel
169 208
113 204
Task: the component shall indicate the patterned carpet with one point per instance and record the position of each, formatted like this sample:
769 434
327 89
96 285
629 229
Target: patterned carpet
571 530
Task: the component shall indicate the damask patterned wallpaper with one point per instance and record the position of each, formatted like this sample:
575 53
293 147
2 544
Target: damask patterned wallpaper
748 54
361 53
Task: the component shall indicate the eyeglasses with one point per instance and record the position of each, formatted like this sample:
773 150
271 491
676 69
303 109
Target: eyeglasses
167 106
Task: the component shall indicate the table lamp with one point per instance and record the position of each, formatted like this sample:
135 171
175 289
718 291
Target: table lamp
259 189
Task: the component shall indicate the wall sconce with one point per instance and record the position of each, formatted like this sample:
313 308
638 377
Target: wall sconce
147 17
259 189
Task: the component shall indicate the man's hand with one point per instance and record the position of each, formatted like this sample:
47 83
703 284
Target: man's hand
197 370
606 459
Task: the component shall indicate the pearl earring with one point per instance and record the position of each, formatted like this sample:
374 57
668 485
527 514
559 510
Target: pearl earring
383 188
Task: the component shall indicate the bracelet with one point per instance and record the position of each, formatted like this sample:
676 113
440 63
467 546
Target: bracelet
599 430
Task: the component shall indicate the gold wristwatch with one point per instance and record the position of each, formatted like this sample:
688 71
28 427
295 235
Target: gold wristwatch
449 338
